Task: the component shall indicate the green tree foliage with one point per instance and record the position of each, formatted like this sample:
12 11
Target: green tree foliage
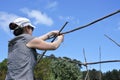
52 68
42 69
111 75
62 69
93 74
3 69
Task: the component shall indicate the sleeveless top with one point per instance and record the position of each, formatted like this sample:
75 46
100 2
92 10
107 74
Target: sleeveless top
21 59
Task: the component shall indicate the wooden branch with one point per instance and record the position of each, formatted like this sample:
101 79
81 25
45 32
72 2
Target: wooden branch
87 74
91 63
112 40
91 23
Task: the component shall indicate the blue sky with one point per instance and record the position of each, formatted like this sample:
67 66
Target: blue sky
48 15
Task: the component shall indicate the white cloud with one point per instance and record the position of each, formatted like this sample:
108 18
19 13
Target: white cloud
39 17
70 19
52 5
67 18
5 19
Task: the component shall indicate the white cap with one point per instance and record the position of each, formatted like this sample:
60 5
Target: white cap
22 22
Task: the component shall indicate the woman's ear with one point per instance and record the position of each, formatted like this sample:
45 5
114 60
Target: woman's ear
25 29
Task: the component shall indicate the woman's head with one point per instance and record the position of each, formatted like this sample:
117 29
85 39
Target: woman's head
20 26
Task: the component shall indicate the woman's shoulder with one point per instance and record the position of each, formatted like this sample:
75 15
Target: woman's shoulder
27 37
22 36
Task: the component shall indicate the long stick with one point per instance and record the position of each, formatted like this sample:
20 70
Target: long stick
88 63
100 63
81 27
87 74
40 57
91 63
112 40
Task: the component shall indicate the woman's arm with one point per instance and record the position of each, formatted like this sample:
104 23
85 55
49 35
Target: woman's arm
41 44
48 35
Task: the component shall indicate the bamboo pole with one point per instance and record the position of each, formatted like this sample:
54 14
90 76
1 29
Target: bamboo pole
91 63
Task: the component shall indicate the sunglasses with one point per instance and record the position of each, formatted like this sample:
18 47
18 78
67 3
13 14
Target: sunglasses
31 27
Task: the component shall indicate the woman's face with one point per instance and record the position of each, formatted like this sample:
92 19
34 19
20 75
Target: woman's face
29 30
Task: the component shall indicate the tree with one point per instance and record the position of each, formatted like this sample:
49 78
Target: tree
93 74
42 69
115 74
3 69
52 68
112 75
62 69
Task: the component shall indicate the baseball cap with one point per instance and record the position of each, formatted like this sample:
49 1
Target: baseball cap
22 22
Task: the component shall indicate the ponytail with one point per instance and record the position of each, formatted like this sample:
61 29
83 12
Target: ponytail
17 29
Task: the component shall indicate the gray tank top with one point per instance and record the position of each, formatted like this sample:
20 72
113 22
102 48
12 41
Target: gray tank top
21 59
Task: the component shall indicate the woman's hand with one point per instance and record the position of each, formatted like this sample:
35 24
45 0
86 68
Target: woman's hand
52 34
61 37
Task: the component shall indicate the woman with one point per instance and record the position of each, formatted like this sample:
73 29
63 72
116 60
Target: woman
22 54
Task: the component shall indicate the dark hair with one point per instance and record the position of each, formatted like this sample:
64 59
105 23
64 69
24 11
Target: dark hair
17 29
